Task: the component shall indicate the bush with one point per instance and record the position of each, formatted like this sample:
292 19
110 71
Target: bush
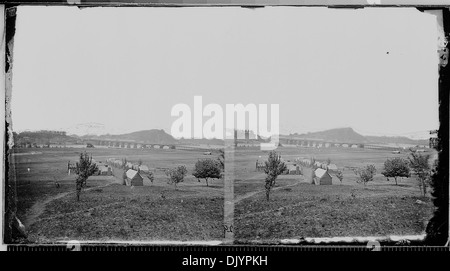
394 168
366 174
176 175
207 168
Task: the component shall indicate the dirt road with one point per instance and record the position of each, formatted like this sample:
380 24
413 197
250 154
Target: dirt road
39 207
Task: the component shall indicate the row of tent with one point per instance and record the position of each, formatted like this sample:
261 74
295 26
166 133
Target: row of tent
317 164
119 163
293 170
321 176
103 169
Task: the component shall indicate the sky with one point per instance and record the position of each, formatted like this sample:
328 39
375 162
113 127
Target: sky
119 70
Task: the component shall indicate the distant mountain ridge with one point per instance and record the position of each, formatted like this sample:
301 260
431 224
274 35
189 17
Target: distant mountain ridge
42 137
396 140
155 136
348 135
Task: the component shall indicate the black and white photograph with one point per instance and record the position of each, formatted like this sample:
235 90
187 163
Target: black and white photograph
223 125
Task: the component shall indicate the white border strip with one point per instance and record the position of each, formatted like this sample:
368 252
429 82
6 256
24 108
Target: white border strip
2 114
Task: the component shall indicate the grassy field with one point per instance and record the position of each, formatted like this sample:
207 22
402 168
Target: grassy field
299 209
119 213
109 211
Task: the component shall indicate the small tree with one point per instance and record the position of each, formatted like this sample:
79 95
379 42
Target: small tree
312 162
140 162
328 161
84 169
207 168
221 159
274 166
150 176
421 167
366 174
124 177
176 175
340 175
396 167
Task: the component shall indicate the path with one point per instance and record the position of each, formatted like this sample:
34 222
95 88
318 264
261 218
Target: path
280 209
102 206
39 207
230 211
251 194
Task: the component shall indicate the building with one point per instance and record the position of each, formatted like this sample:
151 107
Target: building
118 163
134 178
247 134
144 169
322 177
306 162
104 170
293 170
332 167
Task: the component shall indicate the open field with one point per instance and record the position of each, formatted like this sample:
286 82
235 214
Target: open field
109 211
299 209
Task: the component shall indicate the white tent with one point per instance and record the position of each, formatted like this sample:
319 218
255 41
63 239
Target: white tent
144 168
292 169
332 167
322 177
134 178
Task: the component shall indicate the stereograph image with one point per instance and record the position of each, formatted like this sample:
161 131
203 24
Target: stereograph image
223 125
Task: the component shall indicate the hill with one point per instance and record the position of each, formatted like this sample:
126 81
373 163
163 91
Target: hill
149 136
42 137
396 140
347 135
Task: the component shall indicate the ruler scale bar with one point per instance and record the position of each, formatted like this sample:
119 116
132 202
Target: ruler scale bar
239 249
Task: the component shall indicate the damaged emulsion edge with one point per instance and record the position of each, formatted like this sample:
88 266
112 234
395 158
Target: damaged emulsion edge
9 167
11 223
2 82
